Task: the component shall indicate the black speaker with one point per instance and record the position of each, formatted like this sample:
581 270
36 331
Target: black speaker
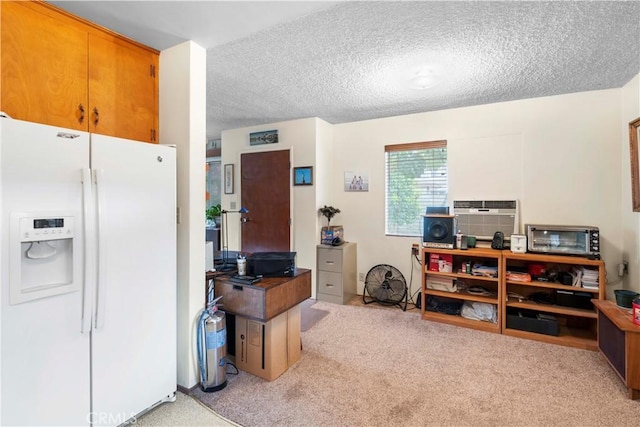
498 240
443 210
439 231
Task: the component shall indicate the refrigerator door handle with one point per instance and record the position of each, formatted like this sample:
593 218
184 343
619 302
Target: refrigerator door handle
89 260
102 252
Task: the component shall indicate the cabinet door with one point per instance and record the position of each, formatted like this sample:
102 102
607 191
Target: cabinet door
44 70
123 95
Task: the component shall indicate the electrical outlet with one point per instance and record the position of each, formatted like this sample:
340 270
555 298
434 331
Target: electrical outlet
414 249
361 277
623 268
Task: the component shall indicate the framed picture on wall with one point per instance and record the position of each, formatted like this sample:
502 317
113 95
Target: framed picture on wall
266 137
303 175
356 181
228 178
634 140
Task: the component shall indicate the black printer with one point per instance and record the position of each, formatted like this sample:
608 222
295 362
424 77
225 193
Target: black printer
272 264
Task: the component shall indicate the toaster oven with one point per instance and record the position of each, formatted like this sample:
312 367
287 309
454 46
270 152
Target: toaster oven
564 240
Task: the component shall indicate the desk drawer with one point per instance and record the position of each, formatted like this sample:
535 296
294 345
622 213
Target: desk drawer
241 300
329 260
265 299
330 283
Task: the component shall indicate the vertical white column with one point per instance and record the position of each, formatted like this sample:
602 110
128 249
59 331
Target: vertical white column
183 124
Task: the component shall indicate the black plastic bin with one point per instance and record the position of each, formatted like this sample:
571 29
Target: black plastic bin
526 320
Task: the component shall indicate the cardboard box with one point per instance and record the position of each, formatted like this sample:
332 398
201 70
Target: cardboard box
441 262
441 284
329 233
268 349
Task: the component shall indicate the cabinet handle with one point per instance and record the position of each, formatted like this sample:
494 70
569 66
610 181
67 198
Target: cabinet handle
329 262
96 116
329 285
81 109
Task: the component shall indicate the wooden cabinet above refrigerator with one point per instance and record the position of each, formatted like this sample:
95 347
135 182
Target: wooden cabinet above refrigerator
61 70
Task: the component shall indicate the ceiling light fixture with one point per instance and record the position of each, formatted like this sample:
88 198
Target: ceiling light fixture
422 78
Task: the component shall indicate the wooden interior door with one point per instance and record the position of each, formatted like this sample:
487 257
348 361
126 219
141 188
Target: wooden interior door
123 95
265 186
44 66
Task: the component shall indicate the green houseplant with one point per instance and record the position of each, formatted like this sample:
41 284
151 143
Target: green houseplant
328 212
328 234
213 214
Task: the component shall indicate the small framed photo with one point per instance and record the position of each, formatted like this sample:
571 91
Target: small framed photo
228 178
303 175
266 137
356 181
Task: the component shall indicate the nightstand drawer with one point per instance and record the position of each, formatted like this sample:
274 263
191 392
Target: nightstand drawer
330 283
329 260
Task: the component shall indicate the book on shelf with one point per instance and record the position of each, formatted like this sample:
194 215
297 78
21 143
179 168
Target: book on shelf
585 277
590 285
484 270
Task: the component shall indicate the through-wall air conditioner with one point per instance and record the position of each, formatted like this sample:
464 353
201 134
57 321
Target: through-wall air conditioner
482 218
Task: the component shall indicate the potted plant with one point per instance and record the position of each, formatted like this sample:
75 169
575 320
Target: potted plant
328 212
329 233
213 214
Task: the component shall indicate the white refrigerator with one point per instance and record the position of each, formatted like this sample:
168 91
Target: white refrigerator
88 272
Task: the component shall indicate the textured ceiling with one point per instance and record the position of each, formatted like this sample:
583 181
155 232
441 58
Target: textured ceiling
350 61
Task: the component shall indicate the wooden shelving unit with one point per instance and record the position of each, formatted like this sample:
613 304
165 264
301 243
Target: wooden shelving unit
476 255
619 342
577 327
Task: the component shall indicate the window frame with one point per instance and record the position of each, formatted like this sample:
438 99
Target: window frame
411 146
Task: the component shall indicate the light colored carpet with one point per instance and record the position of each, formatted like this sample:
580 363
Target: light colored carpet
185 411
369 366
310 315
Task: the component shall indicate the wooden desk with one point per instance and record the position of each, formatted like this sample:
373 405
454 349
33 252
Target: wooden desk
264 300
263 320
619 342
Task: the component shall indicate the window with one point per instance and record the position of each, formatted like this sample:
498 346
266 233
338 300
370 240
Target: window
214 182
416 177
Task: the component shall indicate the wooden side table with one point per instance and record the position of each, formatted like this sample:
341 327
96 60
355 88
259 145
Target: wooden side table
265 299
263 320
619 342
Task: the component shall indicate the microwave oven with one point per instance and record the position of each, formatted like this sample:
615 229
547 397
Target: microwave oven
564 240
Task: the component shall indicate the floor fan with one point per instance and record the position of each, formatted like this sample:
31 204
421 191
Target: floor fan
385 285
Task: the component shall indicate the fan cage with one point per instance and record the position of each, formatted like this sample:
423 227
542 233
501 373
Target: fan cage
385 285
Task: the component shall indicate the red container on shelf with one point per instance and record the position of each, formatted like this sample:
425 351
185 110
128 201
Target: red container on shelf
636 311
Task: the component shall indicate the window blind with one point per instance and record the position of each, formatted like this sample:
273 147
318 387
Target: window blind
416 177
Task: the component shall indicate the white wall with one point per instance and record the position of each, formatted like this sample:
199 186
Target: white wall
303 137
183 123
324 174
560 156
631 220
